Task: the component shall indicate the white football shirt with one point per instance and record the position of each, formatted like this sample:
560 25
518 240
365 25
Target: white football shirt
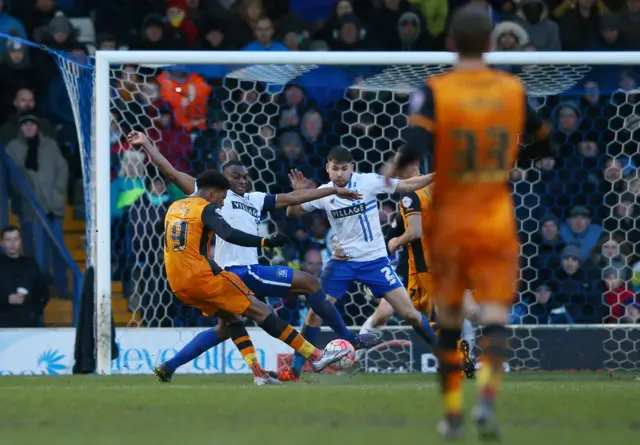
357 223
242 213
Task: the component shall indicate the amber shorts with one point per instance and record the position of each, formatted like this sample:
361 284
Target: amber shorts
212 293
492 274
420 289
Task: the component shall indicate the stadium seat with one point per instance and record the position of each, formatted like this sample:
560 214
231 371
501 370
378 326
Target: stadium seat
86 29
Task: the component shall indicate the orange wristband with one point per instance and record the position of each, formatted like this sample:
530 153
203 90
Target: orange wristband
262 242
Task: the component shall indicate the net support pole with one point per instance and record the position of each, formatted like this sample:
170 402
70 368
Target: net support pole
101 260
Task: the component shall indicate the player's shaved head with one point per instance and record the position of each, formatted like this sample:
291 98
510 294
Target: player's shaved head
238 176
471 30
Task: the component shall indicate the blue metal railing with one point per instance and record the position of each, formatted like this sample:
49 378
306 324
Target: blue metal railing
10 172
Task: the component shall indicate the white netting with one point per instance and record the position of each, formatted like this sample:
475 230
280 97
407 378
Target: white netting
276 117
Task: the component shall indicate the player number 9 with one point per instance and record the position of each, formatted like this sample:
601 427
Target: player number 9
178 234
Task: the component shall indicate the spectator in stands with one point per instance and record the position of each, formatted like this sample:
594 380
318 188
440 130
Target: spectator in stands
543 33
292 106
179 19
609 37
632 312
24 102
58 33
625 219
46 171
550 244
42 12
412 33
539 310
615 278
263 33
578 295
106 42
509 36
16 73
579 230
616 171
156 36
129 185
213 36
579 22
317 143
389 21
312 262
349 35
435 13
188 96
242 25
630 23
23 288
9 24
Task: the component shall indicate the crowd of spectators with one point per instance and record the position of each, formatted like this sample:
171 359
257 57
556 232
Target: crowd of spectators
578 212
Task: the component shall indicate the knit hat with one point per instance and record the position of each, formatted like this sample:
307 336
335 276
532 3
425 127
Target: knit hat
571 251
60 24
28 117
579 211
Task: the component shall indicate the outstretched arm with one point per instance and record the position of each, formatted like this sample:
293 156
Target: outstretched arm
415 183
185 182
297 197
214 222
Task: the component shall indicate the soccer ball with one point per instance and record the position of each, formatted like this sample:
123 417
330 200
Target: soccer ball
348 360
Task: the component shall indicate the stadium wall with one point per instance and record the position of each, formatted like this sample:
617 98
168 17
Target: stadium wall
50 351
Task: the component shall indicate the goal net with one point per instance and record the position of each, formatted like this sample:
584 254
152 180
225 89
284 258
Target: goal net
577 213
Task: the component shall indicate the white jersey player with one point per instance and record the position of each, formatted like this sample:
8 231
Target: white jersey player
361 253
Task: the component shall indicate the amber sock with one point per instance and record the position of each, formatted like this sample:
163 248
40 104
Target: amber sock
278 328
494 345
449 371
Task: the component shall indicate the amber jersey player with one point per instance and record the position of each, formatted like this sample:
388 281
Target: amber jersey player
414 211
469 120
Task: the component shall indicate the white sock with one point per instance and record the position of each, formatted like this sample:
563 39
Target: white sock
367 326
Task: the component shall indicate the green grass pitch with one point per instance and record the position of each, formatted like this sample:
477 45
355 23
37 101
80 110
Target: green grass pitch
535 408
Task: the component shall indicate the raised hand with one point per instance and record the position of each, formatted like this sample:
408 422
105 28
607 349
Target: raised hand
298 181
136 138
348 194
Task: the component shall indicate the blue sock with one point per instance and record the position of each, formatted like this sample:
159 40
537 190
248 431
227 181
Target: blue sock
330 315
426 331
310 333
202 342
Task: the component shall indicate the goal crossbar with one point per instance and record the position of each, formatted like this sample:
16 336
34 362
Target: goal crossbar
101 255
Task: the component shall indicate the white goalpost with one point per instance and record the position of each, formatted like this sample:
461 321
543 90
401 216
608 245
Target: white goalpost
396 73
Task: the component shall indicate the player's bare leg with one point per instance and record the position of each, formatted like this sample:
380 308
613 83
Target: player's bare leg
278 328
379 318
401 303
450 319
495 347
